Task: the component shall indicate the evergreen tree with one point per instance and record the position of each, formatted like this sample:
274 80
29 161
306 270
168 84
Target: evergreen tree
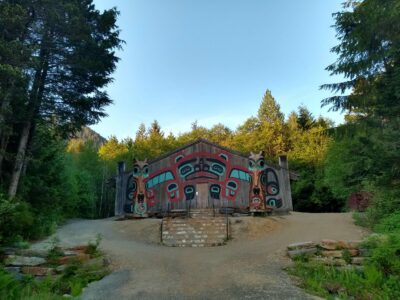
369 58
366 154
113 150
141 133
269 110
305 118
155 129
71 61
14 55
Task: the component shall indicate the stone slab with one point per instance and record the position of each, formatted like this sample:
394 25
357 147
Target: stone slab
329 261
37 271
342 244
338 253
16 260
300 252
302 245
358 260
329 244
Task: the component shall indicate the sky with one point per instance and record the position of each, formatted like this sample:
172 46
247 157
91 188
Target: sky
211 61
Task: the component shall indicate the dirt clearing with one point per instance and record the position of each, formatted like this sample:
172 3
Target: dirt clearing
248 267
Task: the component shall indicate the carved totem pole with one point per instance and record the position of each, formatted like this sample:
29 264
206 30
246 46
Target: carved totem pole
139 175
258 184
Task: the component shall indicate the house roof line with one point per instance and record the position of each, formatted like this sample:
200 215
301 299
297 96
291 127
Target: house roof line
293 175
201 140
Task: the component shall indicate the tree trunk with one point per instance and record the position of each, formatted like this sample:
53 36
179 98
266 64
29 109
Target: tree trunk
3 132
35 100
3 149
19 160
102 192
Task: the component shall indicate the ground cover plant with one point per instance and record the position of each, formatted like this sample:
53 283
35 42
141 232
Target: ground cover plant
377 278
69 280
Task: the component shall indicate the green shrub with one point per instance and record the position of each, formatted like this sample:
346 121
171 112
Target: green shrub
385 204
72 280
93 247
346 256
386 256
16 218
361 219
55 252
379 279
390 223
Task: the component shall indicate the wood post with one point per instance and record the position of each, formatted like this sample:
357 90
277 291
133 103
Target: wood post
119 193
287 194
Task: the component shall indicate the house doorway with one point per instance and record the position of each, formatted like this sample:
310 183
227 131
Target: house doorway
202 195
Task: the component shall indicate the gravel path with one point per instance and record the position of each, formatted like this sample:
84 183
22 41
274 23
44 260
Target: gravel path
243 269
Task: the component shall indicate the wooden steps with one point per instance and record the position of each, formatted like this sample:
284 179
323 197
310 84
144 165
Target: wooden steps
201 230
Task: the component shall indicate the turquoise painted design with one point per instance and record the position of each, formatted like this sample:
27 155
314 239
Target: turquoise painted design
215 189
173 191
231 187
241 175
218 169
189 192
178 158
185 169
137 172
222 155
141 209
189 189
163 177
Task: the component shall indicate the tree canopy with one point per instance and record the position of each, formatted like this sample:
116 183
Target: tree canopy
56 58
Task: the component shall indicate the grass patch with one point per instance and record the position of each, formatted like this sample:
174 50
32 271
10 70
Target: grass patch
55 252
378 279
93 247
71 280
75 277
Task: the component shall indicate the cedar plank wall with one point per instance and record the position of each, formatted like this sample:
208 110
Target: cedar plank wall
161 193
241 199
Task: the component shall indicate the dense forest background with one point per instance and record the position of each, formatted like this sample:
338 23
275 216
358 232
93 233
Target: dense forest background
56 57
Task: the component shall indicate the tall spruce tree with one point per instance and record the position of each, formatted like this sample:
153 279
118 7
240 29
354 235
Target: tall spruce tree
14 55
369 59
72 59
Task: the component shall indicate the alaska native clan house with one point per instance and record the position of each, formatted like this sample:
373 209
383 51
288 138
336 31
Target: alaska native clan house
203 175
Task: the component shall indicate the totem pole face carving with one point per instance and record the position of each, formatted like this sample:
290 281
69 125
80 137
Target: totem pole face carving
257 191
140 173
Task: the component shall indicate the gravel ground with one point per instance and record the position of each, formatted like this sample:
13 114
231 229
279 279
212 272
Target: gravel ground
248 267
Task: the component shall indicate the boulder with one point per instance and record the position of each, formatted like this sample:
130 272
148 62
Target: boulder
16 260
106 261
13 269
81 257
351 268
303 245
358 260
300 252
98 262
329 261
37 271
349 244
79 248
329 244
69 253
355 244
60 269
32 252
364 252
338 253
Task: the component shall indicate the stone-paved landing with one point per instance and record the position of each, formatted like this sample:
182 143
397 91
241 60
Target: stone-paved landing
202 229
